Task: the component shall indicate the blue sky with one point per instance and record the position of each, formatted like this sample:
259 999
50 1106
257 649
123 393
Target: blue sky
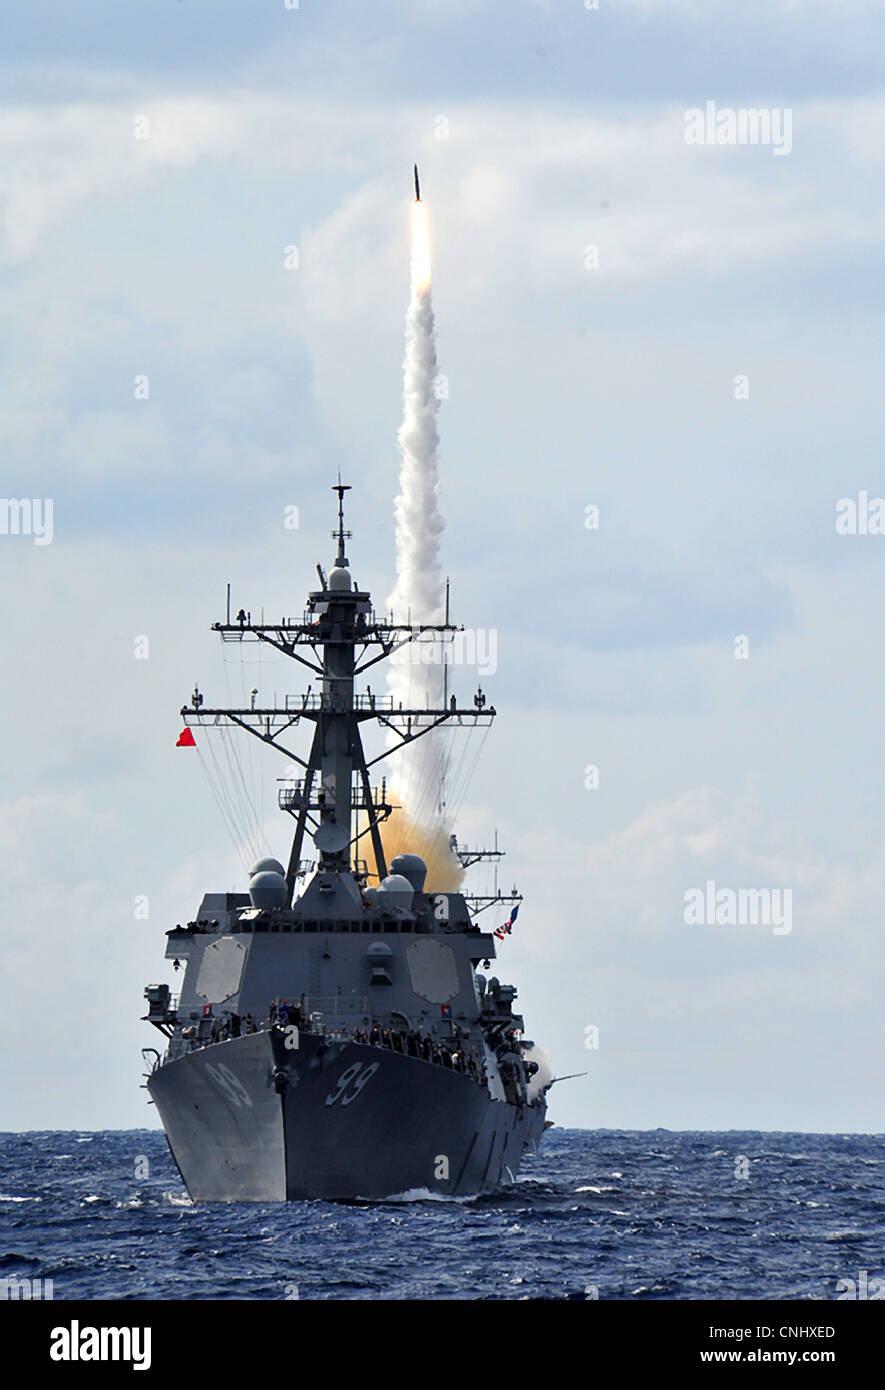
568 387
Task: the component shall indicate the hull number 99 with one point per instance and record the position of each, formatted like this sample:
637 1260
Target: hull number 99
355 1077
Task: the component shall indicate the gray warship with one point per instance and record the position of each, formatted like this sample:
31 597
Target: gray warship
336 1038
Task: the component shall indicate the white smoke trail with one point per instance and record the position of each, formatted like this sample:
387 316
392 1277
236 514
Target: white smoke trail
419 593
419 579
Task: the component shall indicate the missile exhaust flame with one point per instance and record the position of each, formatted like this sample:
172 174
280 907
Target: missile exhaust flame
420 250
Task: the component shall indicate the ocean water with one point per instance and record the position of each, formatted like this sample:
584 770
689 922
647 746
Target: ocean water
607 1214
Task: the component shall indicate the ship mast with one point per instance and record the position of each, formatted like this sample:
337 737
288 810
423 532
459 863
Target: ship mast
339 638
467 857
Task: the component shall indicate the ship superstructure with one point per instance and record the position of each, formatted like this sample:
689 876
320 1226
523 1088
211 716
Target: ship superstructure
340 1041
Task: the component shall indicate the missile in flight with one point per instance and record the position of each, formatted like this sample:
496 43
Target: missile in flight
417 188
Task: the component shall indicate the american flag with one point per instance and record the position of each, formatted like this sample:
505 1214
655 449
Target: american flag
501 932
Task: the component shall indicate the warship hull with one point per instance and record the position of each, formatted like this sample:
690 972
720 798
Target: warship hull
335 1038
250 1120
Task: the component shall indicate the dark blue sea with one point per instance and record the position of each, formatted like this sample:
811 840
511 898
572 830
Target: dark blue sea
607 1214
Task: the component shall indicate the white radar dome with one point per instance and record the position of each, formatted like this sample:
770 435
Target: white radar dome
267 866
267 890
412 867
395 891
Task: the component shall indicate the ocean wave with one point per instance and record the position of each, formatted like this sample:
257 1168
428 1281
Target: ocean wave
739 1241
417 1194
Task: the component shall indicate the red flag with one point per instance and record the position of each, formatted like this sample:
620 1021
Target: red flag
186 739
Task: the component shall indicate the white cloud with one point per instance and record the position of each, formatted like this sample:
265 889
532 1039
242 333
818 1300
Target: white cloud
527 178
